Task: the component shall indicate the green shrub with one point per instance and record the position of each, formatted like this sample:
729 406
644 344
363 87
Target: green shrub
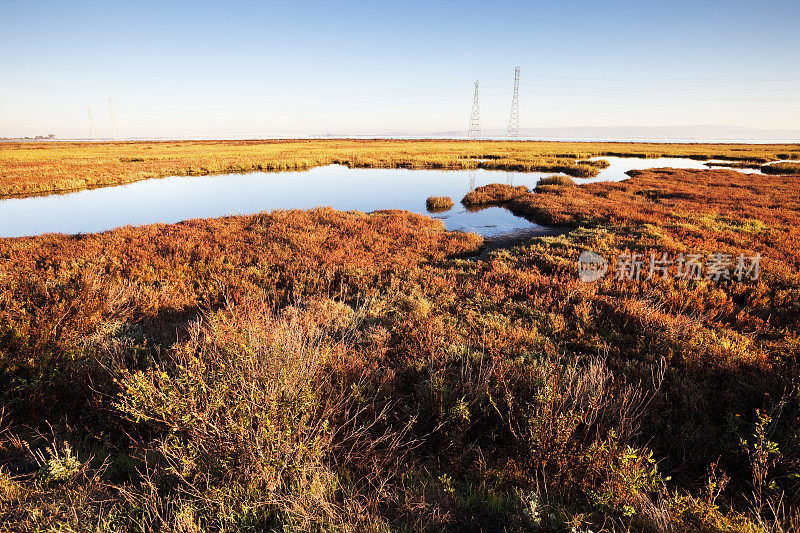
56 466
251 419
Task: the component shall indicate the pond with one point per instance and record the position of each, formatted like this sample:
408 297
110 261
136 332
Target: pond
178 198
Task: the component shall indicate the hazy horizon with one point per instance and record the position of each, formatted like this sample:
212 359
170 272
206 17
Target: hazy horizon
248 69
680 134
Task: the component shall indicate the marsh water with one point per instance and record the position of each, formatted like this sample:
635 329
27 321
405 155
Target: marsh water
178 198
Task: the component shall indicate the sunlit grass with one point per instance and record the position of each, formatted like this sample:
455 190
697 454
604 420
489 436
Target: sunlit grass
439 203
30 168
554 181
492 194
781 168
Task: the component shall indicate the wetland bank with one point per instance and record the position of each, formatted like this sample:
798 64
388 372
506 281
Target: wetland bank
328 369
103 186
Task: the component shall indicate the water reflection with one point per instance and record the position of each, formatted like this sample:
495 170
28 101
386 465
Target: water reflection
180 198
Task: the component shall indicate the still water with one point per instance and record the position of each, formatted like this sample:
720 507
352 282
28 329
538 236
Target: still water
180 198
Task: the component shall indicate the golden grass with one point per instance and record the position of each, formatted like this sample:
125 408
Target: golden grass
492 194
439 203
781 168
554 181
735 164
35 168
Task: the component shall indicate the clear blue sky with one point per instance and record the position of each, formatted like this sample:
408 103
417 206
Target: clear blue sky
227 68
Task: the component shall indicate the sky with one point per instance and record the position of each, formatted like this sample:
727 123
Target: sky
254 68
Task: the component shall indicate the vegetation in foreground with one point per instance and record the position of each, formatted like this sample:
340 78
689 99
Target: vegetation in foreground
36 168
320 370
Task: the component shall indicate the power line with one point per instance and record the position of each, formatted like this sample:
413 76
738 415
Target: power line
91 122
474 131
114 130
513 117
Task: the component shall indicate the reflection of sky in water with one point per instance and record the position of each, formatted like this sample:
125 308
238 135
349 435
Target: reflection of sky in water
181 198
620 165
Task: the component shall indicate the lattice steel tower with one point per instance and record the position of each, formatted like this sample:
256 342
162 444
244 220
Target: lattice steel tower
475 119
513 117
114 130
91 122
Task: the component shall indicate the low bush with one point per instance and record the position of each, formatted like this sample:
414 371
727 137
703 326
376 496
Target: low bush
554 181
439 203
785 168
493 194
598 163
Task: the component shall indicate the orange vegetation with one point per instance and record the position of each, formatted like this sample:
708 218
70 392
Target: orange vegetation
327 370
493 194
439 203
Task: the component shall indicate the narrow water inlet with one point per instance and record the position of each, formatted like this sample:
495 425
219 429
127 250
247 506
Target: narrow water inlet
178 198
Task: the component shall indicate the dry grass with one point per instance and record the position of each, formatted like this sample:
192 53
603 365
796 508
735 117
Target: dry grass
706 209
31 168
327 370
781 168
256 418
564 181
554 181
439 203
492 194
735 164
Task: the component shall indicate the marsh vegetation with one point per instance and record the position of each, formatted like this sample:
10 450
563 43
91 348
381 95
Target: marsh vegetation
329 370
784 167
31 168
556 180
438 203
493 194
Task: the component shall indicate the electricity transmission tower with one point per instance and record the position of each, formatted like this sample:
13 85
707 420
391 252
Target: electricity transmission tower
91 122
114 130
513 117
475 119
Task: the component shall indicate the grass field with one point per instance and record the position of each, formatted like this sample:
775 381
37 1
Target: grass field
322 370
35 168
